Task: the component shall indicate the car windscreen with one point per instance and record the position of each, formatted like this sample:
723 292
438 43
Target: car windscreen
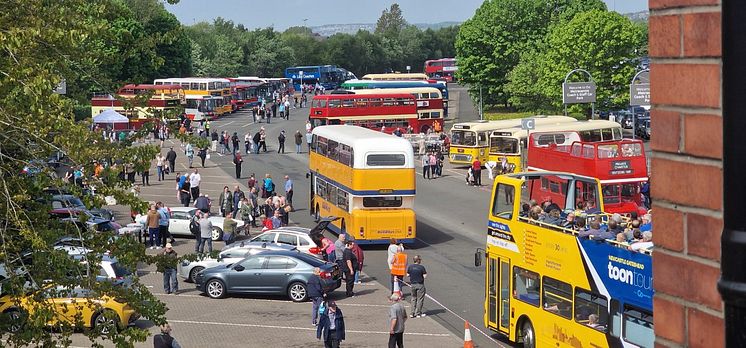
119 270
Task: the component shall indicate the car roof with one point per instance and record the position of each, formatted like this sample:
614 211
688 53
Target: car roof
187 209
263 245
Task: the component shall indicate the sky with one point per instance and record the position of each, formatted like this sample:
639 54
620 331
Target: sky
287 13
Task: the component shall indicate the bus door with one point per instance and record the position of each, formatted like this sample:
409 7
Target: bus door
498 270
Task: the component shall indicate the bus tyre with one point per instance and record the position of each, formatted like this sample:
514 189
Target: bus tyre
528 334
343 226
316 215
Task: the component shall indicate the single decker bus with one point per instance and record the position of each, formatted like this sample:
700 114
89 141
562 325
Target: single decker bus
546 286
367 179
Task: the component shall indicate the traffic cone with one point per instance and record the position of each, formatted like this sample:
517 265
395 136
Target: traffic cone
397 288
467 336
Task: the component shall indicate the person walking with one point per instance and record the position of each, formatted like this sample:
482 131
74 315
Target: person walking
234 141
331 326
202 154
171 158
152 223
164 339
425 166
189 151
246 212
194 180
281 140
289 190
316 294
159 160
397 318
476 168
287 109
205 234
433 163
298 141
358 251
170 283
214 141
184 191
145 173
163 222
269 186
256 139
350 262
263 139
309 139
417 274
247 142
225 201
238 197
238 162
229 229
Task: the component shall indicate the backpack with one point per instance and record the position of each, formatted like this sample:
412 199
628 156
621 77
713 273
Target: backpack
194 227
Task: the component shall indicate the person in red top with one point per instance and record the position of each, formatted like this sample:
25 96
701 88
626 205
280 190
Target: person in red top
476 168
359 255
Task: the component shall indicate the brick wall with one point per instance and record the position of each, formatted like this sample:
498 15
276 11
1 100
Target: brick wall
687 176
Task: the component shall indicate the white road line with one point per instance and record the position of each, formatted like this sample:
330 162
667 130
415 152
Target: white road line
227 123
300 328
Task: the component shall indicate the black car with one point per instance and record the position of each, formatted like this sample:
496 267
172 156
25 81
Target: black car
271 272
642 128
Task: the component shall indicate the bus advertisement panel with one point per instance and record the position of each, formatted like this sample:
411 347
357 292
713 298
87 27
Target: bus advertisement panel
429 105
367 179
441 68
549 283
380 112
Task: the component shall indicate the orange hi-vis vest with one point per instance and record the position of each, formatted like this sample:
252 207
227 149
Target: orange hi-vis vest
399 264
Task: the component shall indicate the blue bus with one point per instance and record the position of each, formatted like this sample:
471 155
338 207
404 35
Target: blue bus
328 76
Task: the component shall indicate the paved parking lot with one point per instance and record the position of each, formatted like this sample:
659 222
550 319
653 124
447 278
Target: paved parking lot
244 321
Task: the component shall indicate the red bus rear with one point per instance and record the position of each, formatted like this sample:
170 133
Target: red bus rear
441 68
621 166
385 112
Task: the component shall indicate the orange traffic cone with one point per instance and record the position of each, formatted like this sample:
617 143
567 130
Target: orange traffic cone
467 336
397 288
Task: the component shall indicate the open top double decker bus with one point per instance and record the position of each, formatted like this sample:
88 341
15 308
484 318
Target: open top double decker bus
470 140
511 143
548 287
620 165
367 179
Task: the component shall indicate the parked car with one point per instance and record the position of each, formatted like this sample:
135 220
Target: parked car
643 128
269 273
182 216
188 270
92 223
75 205
307 240
102 313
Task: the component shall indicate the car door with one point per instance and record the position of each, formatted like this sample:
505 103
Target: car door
287 239
179 223
276 276
246 276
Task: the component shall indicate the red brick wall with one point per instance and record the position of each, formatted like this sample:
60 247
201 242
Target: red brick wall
687 176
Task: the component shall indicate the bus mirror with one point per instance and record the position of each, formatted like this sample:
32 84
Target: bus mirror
478 258
308 175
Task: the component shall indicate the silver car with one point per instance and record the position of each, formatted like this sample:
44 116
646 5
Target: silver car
187 270
182 216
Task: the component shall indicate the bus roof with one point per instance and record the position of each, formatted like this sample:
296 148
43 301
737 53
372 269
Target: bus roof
578 126
487 125
396 76
367 95
365 141
399 90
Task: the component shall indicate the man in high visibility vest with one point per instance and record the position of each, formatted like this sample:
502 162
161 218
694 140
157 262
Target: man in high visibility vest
398 268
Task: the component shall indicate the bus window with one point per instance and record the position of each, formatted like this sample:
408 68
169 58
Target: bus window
502 205
638 327
546 139
618 134
321 188
611 193
385 160
331 149
348 103
504 145
333 103
606 134
557 297
321 146
526 286
465 138
576 150
483 138
631 150
608 151
382 202
591 310
342 201
588 151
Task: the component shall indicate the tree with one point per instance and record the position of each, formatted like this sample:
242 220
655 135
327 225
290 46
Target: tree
605 44
391 22
489 44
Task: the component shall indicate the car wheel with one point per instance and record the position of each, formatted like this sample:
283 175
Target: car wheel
193 273
217 234
529 335
215 288
297 292
15 320
106 322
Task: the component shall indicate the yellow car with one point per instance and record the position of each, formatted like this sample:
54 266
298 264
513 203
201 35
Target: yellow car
103 314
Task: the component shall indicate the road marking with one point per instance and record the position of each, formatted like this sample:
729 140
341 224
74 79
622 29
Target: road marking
227 123
280 301
300 328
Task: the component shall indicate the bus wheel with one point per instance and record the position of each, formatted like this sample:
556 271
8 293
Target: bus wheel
344 227
316 214
529 335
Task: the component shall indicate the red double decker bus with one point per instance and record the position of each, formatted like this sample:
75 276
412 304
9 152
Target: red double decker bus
384 112
164 98
429 105
441 68
620 166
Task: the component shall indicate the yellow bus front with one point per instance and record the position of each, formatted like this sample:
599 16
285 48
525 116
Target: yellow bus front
508 148
468 146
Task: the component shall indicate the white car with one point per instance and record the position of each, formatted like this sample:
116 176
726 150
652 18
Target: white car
182 216
187 270
303 238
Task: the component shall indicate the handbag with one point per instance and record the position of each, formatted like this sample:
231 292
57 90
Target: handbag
322 308
208 156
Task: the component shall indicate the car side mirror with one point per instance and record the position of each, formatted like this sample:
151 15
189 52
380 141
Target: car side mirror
239 268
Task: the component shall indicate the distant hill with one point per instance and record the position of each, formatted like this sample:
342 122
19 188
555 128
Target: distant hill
641 16
331 29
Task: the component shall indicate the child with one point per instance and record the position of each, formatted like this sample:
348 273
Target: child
470 177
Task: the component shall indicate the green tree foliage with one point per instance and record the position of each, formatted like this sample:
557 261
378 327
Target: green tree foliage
489 44
391 22
603 43
42 42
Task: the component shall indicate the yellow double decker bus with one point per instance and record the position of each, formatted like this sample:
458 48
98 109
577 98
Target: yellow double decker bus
203 93
367 179
470 140
551 283
511 143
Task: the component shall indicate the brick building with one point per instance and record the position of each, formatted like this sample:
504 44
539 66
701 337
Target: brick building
687 171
